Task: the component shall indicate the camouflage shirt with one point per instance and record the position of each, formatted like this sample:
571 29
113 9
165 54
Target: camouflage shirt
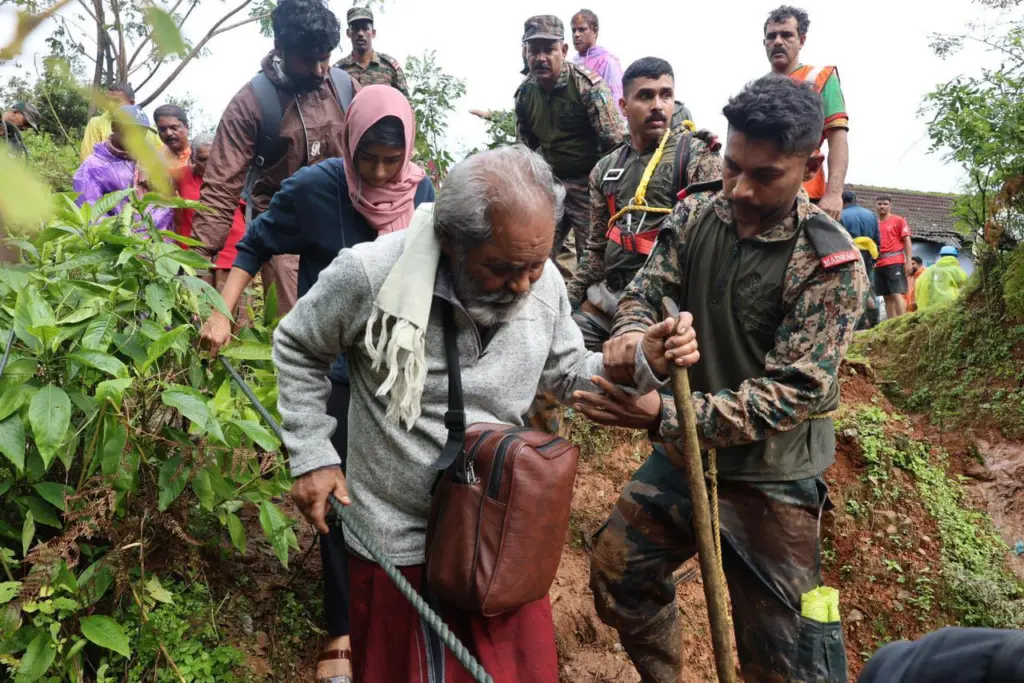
771 340
572 126
602 257
382 70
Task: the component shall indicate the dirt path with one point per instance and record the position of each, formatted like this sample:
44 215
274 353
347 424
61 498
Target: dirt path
882 560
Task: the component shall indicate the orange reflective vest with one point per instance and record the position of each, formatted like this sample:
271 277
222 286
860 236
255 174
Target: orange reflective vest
817 76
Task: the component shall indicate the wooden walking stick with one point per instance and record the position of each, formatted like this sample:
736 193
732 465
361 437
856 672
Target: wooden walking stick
707 552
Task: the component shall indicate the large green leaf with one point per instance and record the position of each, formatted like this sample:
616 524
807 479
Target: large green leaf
18 371
13 398
109 201
28 532
106 632
100 332
49 415
206 293
203 489
112 390
81 314
257 433
172 480
37 659
160 300
248 351
12 441
23 321
114 441
42 512
8 591
237 532
158 592
191 259
163 343
189 403
165 32
101 361
54 493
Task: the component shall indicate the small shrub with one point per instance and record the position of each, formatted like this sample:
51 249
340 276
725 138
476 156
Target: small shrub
55 162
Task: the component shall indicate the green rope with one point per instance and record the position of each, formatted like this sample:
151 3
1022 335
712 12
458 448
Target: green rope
356 530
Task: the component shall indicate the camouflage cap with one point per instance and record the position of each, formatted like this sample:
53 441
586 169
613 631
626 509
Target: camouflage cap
359 14
30 113
543 27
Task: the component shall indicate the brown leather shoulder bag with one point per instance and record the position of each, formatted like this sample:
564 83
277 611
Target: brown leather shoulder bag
500 507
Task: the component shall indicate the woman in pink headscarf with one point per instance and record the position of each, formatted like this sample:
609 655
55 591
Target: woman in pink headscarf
319 211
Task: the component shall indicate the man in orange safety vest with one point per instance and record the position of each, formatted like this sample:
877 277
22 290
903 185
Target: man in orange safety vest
785 33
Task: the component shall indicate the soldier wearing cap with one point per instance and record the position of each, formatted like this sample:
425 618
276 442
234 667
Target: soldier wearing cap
18 118
565 112
366 66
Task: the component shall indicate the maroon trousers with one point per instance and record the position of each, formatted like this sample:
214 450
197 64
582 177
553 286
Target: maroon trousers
388 643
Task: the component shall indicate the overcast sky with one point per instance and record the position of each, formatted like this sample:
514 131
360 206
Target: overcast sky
880 47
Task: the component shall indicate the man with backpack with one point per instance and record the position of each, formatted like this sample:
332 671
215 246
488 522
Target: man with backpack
679 157
288 116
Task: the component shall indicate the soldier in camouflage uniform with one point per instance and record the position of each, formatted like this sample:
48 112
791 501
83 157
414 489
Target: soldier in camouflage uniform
366 66
18 118
566 112
613 256
775 289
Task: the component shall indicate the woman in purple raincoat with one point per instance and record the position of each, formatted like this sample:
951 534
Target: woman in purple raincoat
110 168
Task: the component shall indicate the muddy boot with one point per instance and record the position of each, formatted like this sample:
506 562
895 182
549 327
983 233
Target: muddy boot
657 651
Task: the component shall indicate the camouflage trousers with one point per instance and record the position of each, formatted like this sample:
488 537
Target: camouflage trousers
771 550
595 325
575 218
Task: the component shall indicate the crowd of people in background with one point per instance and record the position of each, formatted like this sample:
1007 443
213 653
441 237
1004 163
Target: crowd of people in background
310 160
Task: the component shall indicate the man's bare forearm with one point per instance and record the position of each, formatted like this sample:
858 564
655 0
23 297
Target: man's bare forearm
838 160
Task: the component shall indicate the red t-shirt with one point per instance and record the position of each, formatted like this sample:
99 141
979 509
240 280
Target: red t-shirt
892 231
188 184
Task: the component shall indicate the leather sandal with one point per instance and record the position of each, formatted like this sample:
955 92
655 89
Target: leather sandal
330 656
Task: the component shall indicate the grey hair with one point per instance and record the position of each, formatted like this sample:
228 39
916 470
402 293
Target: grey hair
200 140
507 178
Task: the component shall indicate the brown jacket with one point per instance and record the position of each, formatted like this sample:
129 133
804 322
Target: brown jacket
311 127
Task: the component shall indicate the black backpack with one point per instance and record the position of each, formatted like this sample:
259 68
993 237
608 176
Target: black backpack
269 148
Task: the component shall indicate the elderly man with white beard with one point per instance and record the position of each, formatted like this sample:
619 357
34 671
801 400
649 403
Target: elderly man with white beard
483 248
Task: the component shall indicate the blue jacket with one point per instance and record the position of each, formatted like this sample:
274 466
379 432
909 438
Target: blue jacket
860 222
312 216
951 655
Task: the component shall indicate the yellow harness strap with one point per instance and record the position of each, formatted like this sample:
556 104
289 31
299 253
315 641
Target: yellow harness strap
639 202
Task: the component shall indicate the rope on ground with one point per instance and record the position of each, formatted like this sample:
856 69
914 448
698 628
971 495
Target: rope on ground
357 531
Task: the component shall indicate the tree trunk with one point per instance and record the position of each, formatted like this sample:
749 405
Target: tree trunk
101 36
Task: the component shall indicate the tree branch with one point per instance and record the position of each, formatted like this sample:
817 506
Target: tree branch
215 30
241 23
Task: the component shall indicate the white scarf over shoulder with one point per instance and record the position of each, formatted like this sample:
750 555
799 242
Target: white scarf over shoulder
401 313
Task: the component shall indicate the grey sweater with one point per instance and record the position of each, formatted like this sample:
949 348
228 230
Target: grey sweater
388 470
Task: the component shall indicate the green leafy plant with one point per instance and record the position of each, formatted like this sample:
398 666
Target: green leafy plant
115 436
433 94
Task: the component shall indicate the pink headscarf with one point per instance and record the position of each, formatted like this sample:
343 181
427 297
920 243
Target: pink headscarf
390 207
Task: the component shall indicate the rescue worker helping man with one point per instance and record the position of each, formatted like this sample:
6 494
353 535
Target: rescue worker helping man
785 32
478 266
636 185
775 288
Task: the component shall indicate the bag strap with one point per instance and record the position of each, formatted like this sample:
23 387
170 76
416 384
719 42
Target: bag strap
267 137
343 87
455 417
682 160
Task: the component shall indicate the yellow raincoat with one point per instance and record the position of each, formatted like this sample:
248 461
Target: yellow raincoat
939 283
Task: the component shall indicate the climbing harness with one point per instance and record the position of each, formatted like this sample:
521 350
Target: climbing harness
637 240
358 532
